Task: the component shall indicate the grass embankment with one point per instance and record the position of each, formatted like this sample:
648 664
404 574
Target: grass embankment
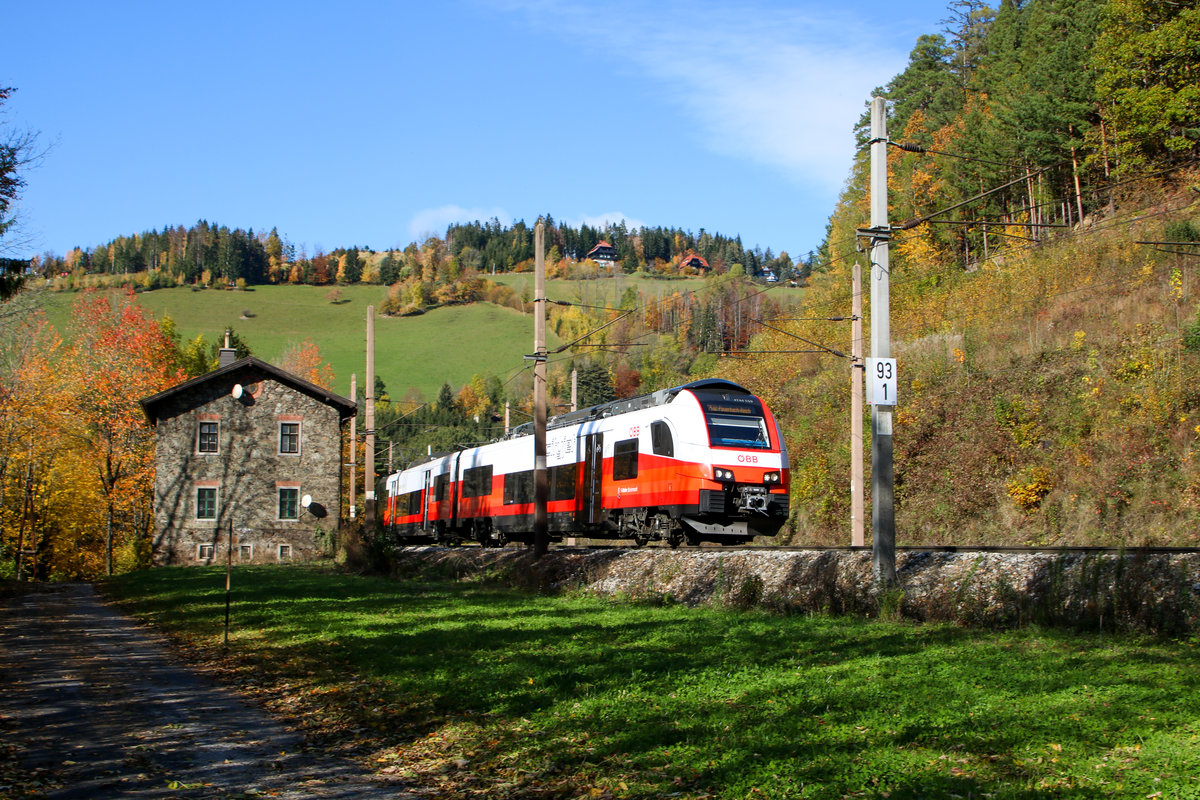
478 690
449 344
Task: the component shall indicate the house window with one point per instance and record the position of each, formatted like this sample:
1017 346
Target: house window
289 503
289 437
207 437
625 460
246 552
206 503
205 552
285 552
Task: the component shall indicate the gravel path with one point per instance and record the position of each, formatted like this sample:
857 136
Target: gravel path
97 701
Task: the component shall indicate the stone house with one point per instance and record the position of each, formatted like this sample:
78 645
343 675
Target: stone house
247 448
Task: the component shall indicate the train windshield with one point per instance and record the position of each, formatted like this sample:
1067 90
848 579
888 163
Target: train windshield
734 420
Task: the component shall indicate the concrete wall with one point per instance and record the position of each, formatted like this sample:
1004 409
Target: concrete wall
247 472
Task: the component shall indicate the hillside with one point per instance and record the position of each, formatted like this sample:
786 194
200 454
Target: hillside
1047 397
445 345
1046 345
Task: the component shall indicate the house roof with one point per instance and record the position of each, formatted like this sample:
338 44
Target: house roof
153 405
601 246
687 261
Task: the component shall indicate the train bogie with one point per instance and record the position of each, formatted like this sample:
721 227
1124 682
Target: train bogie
700 462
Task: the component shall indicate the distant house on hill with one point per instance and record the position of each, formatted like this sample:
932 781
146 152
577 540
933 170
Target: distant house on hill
240 448
695 262
603 253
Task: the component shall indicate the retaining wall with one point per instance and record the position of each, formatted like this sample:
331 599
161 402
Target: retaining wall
1155 593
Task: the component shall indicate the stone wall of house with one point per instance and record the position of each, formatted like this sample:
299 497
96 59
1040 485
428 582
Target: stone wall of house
247 471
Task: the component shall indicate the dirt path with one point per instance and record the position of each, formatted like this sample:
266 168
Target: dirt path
96 702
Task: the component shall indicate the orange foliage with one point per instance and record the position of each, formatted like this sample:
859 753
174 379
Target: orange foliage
304 361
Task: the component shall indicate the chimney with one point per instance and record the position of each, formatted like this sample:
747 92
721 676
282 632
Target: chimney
227 355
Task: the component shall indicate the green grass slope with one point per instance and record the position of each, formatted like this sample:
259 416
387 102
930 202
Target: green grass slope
448 344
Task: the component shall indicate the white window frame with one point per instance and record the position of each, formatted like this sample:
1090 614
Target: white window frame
245 552
285 552
211 549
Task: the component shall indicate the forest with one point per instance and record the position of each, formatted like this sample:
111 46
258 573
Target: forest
214 255
1043 188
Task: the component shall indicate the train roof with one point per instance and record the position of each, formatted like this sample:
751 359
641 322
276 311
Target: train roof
613 407
601 410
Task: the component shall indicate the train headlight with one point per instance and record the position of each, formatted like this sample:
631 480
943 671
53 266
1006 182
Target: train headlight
771 477
722 474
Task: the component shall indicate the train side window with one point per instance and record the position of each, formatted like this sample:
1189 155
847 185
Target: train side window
518 487
477 481
660 439
440 484
562 482
625 460
412 502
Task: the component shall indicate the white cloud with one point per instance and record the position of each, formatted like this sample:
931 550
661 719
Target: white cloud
434 221
778 84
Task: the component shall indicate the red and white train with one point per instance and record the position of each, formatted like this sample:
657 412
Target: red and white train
704 461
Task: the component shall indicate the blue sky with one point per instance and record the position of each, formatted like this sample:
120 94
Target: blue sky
378 123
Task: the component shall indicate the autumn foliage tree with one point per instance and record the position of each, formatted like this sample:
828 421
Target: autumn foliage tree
118 354
304 360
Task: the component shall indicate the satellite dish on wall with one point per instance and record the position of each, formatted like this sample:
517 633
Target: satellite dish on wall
237 391
306 501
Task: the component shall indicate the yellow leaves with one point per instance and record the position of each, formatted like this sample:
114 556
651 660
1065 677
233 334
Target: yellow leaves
1028 490
1176 284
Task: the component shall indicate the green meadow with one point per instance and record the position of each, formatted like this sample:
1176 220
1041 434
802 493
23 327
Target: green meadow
473 689
449 344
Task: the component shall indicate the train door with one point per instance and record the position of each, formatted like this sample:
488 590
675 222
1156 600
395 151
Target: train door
427 494
593 472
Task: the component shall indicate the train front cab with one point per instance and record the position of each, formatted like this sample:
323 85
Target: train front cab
710 465
743 491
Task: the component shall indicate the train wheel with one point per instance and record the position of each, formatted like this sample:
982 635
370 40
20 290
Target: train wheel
675 538
641 539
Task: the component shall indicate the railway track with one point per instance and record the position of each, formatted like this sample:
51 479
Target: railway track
933 548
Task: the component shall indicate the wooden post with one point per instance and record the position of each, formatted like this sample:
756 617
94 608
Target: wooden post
369 455
541 488
353 447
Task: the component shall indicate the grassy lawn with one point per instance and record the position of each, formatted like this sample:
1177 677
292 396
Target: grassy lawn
446 344
479 690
